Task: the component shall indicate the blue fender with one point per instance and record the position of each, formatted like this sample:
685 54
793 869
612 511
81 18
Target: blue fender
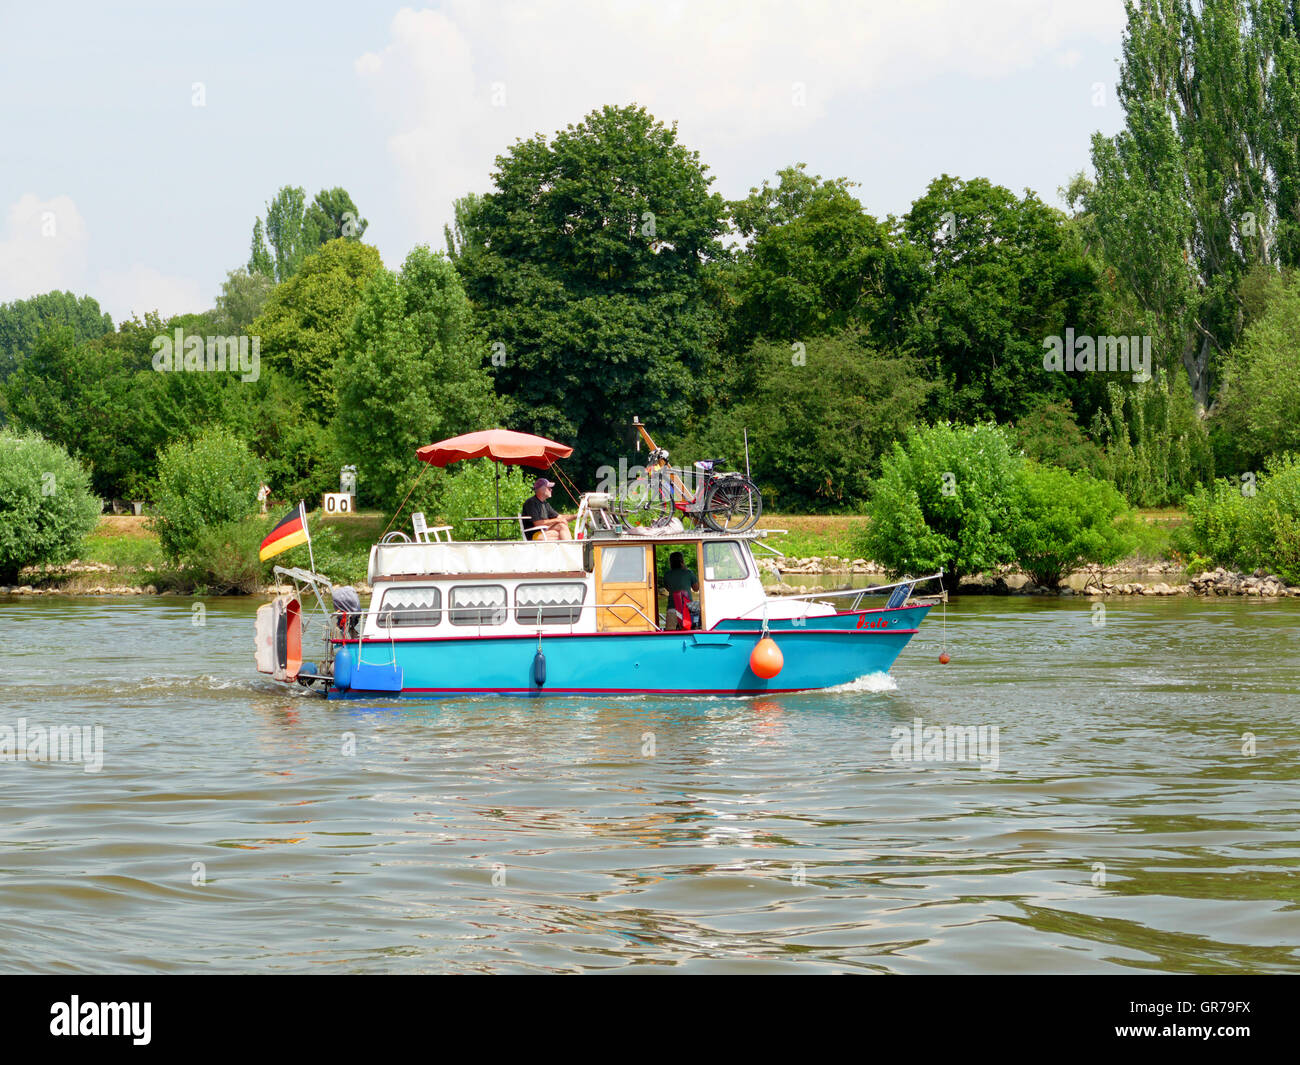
343 669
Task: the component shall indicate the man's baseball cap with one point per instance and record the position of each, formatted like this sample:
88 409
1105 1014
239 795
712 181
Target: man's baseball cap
542 482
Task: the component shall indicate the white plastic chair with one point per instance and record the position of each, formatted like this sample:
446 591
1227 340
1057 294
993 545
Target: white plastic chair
441 533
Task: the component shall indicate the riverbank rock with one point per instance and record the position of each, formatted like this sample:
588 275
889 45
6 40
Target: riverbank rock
817 565
1223 582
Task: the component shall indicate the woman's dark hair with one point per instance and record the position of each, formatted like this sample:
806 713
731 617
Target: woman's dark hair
675 560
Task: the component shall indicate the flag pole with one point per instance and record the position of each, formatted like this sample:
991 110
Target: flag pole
311 555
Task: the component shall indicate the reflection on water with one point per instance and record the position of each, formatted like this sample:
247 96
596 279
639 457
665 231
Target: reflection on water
238 827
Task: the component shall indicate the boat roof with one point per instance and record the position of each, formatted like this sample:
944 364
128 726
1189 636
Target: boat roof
516 558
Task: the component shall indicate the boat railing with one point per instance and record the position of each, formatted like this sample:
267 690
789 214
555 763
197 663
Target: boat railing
858 594
303 580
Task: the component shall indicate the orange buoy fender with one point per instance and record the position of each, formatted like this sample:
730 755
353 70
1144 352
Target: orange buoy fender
766 660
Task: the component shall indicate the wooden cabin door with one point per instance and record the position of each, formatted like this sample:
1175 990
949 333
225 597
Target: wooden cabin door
625 588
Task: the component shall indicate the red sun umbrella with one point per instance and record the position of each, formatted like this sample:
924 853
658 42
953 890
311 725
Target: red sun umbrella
500 445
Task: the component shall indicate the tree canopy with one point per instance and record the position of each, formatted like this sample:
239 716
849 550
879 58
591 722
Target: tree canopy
585 267
295 229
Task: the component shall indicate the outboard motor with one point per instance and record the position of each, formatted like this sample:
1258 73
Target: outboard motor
348 604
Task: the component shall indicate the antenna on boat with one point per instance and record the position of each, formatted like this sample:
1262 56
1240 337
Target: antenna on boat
746 432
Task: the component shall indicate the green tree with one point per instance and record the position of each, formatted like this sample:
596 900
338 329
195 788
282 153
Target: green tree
294 230
22 321
243 296
1157 447
77 394
203 483
818 263
308 318
1257 413
332 215
411 373
1204 179
585 265
819 417
1065 521
1229 526
1005 274
946 499
46 505
769 205
1049 433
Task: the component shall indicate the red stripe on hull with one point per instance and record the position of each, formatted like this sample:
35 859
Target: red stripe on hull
372 641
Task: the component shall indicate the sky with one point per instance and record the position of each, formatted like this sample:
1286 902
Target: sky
140 141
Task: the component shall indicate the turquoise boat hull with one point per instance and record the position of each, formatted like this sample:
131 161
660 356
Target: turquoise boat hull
819 652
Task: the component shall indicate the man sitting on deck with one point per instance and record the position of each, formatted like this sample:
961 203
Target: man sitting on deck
542 522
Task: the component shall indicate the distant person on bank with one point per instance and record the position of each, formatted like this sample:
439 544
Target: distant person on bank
542 521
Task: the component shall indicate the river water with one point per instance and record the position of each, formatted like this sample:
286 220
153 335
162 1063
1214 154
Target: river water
1121 823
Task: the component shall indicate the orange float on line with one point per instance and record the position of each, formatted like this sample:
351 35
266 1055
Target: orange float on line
766 659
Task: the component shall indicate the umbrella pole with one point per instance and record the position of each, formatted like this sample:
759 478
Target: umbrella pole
498 478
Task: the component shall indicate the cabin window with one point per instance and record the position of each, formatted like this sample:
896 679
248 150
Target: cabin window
410 606
552 603
723 561
622 565
478 604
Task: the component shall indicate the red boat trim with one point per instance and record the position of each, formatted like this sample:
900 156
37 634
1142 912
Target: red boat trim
589 691
874 610
371 641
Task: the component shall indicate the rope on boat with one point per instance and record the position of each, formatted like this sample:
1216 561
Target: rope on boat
567 484
403 506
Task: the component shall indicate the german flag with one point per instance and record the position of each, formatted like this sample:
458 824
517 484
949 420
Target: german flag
290 532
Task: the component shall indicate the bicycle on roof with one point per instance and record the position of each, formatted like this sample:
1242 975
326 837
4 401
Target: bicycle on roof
722 500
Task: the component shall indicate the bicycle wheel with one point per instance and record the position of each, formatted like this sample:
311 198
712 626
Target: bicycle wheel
732 504
642 507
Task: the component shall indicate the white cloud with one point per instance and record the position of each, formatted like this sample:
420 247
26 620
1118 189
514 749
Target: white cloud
43 247
734 74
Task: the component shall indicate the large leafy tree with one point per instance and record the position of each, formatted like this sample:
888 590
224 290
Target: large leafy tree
816 263
1004 274
76 394
104 402
585 264
243 296
294 229
22 321
410 373
1258 409
1204 180
307 320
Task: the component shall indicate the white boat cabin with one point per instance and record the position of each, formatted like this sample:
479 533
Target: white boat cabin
610 582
